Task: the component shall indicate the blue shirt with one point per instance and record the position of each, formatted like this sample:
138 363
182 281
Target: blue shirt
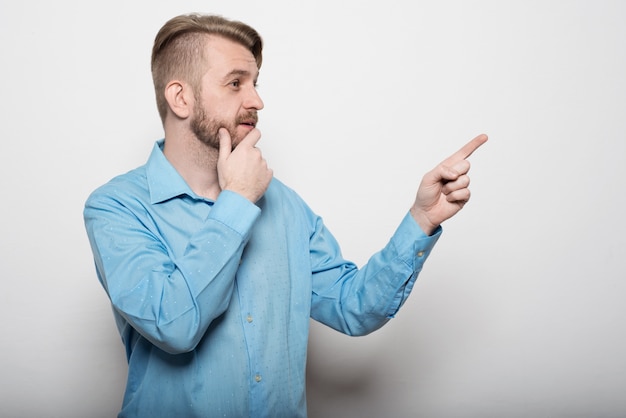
212 299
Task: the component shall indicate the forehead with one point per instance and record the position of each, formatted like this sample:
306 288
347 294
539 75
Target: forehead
225 56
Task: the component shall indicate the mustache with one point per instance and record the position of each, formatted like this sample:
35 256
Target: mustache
249 117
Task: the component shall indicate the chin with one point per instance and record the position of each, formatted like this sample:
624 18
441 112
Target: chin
235 143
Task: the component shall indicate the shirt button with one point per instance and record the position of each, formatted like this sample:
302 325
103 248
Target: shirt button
420 254
249 318
258 378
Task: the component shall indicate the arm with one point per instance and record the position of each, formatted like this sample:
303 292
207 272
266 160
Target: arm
359 301
170 283
171 300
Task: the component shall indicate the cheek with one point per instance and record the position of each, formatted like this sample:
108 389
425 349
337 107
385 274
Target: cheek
226 119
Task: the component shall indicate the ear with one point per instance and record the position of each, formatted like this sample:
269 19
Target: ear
179 98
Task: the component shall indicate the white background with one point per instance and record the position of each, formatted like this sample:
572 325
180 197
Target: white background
520 310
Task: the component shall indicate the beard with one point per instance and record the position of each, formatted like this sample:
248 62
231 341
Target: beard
206 128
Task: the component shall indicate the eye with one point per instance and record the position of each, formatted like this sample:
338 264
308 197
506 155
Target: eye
235 83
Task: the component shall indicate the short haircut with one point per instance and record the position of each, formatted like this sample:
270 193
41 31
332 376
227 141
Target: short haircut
179 50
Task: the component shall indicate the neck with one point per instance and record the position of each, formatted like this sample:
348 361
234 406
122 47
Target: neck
195 162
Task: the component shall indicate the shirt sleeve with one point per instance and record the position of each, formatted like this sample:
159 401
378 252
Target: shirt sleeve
358 301
170 301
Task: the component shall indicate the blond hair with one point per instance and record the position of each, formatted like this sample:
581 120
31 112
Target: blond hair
179 50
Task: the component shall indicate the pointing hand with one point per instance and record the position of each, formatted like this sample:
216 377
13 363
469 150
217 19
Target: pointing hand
444 190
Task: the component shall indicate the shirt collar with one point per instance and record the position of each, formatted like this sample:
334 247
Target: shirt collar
164 182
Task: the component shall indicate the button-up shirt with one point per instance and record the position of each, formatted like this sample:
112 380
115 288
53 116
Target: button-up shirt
212 299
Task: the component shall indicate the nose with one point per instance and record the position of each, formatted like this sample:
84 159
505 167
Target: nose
253 100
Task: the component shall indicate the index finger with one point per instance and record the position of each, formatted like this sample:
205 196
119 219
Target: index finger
225 143
467 150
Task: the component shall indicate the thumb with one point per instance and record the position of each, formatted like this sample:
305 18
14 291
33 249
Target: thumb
226 145
445 173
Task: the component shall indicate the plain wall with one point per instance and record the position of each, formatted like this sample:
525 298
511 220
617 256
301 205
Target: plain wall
520 310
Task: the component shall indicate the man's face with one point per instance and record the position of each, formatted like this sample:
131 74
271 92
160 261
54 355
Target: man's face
228 97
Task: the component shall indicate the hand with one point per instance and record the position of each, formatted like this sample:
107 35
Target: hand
243 170
444 191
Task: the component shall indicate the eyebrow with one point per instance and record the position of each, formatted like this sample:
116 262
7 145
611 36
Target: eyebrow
240 73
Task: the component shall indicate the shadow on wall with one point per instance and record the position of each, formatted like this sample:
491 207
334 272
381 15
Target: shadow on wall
343 374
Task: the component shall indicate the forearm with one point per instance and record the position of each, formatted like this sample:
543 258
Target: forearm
169 296
359 301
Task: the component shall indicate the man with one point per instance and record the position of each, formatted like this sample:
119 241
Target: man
214 267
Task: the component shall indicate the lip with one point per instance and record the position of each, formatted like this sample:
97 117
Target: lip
248 124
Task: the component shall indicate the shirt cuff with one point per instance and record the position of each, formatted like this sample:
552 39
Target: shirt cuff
235 211
410 232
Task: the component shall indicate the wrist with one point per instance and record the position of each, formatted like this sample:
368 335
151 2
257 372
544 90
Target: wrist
423 221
